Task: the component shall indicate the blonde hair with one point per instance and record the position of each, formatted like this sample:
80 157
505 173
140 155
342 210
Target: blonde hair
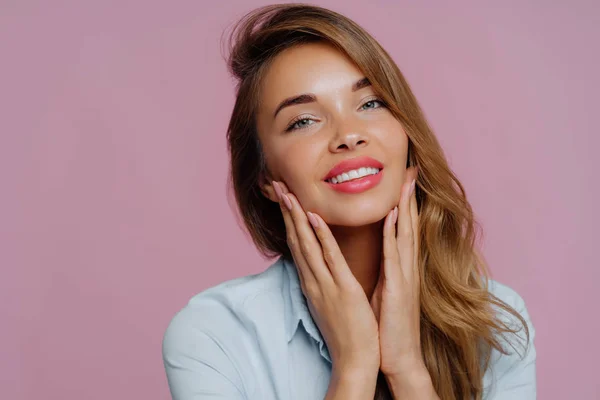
459 324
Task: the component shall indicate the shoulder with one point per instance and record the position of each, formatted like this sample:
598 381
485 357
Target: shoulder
205 344
512 373
226 309
512 299
505 293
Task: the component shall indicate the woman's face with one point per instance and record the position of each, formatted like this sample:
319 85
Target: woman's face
336 119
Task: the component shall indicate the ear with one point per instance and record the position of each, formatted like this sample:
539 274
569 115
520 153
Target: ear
268 191
416 168
266 187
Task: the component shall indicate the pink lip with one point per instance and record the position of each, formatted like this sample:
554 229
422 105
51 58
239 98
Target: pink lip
356 185
353 163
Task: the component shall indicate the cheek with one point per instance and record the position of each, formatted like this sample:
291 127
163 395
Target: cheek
396 138
294 164
396 155
397 148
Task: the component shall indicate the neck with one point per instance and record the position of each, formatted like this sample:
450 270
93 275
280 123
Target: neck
361 247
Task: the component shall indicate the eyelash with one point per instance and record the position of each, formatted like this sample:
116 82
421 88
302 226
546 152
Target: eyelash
290 127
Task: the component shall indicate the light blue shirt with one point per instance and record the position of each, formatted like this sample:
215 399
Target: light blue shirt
254 338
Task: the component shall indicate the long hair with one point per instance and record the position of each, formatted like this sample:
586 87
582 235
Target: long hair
459 323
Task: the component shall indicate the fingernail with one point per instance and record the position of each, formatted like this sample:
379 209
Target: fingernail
395 218
277 189
287 202
313 220
412 187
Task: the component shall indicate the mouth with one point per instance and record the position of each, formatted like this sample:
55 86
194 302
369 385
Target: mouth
355 175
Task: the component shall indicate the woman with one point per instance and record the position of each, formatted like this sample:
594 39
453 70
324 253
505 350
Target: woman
379 291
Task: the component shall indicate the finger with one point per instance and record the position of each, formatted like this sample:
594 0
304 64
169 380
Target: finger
309 244
416 282
332 254
304 272
416 233
391 272
405 236
284 188
376 296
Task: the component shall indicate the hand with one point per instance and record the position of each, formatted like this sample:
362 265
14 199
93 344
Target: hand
395 300
336 299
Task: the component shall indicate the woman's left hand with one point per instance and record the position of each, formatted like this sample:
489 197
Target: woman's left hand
395 300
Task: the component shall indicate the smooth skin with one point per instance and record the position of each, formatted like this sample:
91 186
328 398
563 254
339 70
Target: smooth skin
340 124
355 253
336 301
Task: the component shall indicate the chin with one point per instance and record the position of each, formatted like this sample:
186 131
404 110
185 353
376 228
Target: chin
356 216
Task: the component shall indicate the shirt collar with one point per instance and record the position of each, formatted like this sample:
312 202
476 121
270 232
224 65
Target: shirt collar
296 308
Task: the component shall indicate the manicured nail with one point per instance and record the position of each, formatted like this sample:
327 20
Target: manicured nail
313 220
277 189
412 187
287 201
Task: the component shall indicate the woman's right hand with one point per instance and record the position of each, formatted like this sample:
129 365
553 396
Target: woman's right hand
336 299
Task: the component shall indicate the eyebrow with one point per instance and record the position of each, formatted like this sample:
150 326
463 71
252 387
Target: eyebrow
310 98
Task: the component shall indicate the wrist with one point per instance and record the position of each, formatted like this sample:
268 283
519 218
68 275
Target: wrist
357 365
355 370
413 384
350 382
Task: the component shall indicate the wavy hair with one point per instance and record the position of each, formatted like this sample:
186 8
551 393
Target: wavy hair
459 323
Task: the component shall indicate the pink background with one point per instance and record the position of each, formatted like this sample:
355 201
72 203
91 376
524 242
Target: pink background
113 209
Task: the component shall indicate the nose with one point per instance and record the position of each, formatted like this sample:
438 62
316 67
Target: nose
347 140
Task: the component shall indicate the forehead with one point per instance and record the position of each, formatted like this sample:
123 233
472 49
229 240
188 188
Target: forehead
311 67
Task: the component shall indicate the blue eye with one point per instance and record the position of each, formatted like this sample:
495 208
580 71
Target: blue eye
297 124
372 102
304 123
